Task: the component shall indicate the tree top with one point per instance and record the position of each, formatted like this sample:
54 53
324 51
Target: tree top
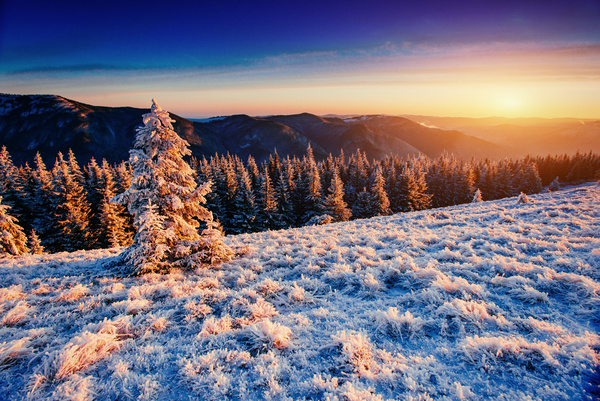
157 117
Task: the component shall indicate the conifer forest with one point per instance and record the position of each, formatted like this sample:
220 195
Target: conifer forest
67 207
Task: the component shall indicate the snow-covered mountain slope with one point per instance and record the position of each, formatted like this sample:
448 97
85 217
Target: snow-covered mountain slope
494 300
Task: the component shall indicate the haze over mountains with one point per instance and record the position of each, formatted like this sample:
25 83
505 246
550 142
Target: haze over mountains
49 124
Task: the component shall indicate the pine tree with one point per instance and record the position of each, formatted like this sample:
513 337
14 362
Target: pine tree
35 244
412 189
41 200
334 204
162 178
268 213
11 188
114 225
362 207
312 186
531 181
477 197
244 205
151 247
285 193
380 204
13 240
554 185
72 211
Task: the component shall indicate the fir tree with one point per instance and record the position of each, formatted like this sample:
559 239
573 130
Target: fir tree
13 240
312 186
41 199
334 204
380 204
531 181
35 244
244 205
72 211
477 197
268 213
151 242
554 185
362 207
412 190
162 178
11 187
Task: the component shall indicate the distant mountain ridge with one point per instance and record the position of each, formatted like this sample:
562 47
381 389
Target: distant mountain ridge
522 136
49 124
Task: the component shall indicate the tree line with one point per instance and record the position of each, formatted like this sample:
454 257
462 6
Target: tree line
68 208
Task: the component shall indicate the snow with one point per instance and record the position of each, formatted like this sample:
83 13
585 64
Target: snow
490 300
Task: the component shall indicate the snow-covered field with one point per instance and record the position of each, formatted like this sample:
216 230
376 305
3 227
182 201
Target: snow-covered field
494 300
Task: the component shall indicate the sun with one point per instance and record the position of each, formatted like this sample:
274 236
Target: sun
510 105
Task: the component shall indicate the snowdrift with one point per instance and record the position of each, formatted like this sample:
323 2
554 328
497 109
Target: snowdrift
493 300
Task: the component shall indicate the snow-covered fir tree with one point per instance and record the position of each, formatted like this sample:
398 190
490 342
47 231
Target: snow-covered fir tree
380 204
477 197
554 185
334 204
11 187
162 178
35 245
362 207
268 210
244 212
412 190
312 186
13 240
72 211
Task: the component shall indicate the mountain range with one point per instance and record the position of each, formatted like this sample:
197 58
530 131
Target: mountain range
49 124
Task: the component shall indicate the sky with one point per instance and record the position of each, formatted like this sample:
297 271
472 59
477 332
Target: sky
526 58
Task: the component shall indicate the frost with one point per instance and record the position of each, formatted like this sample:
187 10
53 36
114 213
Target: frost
481 301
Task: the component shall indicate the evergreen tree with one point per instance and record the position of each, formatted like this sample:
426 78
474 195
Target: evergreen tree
312 186
531 181
334 204
11 187
554 185
151 248
35 244
268 213
380 204
13 240
362 207
72 211
412 189
253 172
285 192
41 200
163 179
115 226
244 206
477 197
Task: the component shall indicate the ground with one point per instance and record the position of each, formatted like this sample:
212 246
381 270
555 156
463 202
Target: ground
495 300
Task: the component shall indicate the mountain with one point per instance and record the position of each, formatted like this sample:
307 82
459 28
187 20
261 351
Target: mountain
522 136
49 124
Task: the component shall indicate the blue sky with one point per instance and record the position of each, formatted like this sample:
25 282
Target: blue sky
470 58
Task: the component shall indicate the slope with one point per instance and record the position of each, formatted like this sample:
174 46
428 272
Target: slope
495 300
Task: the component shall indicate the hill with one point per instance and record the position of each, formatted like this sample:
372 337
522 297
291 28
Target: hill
50 124
494 300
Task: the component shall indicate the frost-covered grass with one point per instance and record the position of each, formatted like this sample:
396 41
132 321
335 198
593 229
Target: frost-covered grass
496 300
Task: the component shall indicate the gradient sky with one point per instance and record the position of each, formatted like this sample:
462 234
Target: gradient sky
536 58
